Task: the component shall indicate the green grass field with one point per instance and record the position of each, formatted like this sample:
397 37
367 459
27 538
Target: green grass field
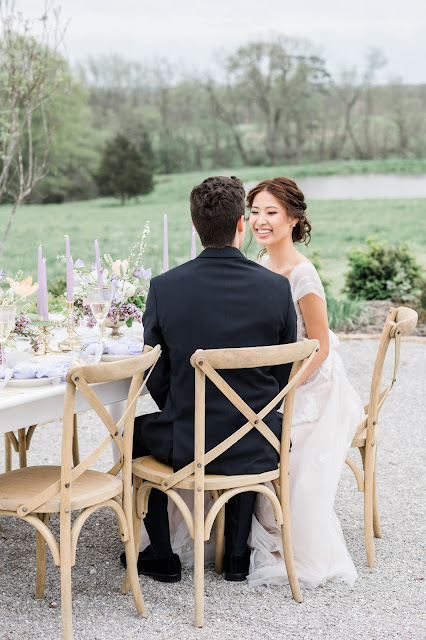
338 225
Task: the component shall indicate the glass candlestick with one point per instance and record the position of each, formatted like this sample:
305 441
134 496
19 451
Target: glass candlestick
45 336
72 342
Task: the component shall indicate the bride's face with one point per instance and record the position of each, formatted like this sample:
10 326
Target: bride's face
269 221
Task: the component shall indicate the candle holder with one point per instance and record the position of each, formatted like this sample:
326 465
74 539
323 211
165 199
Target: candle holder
45 336
72 342
44 344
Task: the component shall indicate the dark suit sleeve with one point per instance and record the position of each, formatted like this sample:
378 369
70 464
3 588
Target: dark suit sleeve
159 381
287 335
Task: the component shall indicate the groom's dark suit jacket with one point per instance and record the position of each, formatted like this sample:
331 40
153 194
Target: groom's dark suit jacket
220 299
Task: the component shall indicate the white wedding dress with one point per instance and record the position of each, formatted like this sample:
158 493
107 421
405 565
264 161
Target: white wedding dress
326 413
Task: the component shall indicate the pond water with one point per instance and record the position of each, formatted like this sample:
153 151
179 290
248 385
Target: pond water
360 187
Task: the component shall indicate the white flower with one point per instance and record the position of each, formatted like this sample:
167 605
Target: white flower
129 290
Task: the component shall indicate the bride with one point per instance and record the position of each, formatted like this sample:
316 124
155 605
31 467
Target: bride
326 412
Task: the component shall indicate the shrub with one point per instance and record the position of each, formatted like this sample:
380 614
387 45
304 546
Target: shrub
381 271
422 297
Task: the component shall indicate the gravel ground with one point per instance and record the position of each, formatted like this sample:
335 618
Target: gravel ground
387 602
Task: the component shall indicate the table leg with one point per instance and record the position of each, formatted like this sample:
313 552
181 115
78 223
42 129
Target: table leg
7 453
22 440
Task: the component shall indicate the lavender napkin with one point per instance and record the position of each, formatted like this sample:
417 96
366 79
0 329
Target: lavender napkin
26 370
125 346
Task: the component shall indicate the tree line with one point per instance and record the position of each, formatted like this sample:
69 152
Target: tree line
268 102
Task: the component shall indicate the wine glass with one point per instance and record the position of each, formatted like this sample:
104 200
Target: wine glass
99 298
7 324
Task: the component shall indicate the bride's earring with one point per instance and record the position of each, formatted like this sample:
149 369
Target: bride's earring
295 224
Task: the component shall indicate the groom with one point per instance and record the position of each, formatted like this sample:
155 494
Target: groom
218 300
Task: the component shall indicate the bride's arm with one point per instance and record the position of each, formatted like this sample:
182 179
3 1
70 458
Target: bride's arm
314 311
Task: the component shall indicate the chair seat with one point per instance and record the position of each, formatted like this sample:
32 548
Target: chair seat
20 485
150 469
360 438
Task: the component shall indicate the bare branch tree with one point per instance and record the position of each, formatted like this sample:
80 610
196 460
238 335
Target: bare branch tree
31 73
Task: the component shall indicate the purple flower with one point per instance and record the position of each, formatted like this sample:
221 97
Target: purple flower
79 263
146 273
140 272
2 275
118 296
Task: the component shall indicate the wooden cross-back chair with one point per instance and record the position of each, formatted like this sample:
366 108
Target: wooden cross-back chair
34 493
148 473
399 322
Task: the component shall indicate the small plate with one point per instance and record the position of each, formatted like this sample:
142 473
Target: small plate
31 382
112 358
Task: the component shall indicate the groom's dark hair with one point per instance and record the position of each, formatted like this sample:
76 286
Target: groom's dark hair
216 206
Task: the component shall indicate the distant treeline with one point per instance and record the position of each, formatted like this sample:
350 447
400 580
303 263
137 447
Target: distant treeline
269 103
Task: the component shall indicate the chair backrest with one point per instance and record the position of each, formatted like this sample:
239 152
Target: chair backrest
399 322
81 377
207 363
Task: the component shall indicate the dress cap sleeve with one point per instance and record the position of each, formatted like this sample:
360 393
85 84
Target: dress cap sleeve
304 279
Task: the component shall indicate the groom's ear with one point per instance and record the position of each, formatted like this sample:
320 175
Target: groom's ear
241 224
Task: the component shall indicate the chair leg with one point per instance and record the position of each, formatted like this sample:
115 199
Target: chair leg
289 561
132 575
199 558
66 593
286 538
7 453
125 586
376 520
369 460
41 560
220 536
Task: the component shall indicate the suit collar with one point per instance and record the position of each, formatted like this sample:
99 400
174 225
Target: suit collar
226 252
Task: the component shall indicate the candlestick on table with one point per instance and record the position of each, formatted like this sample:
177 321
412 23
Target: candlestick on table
69 270
165 246
40 283
45 309
72 342
193 249
98 264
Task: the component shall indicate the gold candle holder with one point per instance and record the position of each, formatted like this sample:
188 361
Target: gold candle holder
45 336
72 342
44 344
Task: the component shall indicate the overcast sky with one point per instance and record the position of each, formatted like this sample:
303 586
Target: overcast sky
193 32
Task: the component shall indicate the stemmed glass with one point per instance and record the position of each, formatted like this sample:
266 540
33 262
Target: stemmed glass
99 298
7 324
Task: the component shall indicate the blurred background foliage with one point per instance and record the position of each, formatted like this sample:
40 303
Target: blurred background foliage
275 103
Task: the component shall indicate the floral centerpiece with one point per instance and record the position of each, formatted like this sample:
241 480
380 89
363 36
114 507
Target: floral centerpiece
129 279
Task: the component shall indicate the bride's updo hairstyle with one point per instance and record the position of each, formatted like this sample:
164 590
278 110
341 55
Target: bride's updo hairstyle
292 199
